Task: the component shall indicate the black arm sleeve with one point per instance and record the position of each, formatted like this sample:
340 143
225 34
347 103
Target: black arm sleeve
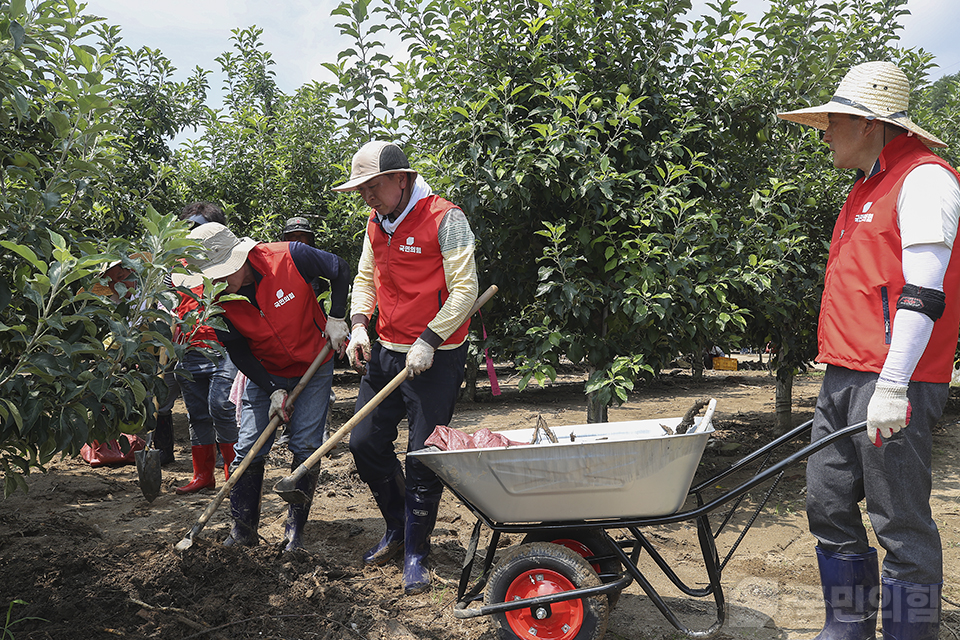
313 262
249 365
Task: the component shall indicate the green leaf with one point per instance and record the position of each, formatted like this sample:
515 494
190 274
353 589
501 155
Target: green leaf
25 253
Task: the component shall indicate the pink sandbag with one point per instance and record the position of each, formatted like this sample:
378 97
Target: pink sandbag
99 454
447 439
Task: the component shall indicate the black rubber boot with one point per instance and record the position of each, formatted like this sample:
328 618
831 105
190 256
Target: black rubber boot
421 516
851 585
245 507
298 513
163 438
389 495
910 611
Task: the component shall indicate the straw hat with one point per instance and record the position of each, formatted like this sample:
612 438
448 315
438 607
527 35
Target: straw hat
877 90
225 254
375 159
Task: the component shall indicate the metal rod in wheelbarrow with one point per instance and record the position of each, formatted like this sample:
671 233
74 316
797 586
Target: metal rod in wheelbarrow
187 541
287 487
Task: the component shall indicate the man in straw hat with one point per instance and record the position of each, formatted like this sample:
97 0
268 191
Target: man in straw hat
417 268
888 331
272 337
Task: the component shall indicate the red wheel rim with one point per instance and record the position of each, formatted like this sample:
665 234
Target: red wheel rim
577 547
565 618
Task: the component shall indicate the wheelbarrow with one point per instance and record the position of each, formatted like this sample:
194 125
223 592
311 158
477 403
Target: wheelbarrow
569 498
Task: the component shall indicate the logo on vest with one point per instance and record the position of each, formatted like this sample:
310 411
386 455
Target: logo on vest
409 248
283 298
863 217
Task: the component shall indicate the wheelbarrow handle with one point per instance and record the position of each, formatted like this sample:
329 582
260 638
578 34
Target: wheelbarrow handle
254 450
286 487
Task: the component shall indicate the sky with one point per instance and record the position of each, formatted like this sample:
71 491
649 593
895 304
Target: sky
301 34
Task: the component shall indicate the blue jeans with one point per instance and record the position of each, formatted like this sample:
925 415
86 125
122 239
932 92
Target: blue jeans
306 426
895 478
213 418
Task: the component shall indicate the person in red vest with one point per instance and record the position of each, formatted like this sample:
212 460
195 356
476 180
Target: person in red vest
273 336
206 390
889 318
417 270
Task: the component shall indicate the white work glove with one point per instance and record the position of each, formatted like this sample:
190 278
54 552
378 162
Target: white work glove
420 357
358 351
337 334
278 406
888 411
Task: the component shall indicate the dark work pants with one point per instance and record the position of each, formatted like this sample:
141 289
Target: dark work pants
427 400
895 479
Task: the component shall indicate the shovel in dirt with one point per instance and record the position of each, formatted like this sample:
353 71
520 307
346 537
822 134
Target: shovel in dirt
148 469
287 487
187 541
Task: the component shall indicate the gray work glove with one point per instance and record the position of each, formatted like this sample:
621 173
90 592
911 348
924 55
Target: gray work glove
358 351
888 411
337 334
278 406
420 357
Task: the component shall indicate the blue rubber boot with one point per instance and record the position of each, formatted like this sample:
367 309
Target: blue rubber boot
389 497
910 611
851 586
421 515
298 513
245 507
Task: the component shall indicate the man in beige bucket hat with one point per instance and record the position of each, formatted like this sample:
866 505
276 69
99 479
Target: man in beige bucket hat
888 328
417 268
273 335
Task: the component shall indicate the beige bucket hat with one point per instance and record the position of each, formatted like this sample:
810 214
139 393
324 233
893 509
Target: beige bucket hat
877 90
225 254
375 159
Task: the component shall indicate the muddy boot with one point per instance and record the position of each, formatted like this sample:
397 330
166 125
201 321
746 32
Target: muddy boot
910 611
245 507
163 438
421 516
204 460
297 513
389 495
226 452
850 588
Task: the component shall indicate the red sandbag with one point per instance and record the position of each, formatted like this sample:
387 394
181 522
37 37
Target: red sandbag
447 439
100 454
486 439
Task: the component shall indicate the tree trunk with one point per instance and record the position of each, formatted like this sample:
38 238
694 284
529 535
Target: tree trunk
784 400
596 412
469 391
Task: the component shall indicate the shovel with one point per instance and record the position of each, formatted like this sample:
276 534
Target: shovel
187 541
287 488
148 469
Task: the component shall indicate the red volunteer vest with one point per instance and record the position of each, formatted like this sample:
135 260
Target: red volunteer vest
408 274
864 276
200 334
286 332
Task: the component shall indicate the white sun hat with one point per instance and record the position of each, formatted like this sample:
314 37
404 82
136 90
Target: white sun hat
226 253
878 90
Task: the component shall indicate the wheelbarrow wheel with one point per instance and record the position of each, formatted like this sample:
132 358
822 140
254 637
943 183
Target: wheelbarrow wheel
586 542
539 569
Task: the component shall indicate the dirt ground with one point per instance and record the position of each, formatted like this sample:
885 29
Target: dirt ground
90 558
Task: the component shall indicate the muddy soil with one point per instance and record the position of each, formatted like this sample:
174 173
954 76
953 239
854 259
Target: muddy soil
84 555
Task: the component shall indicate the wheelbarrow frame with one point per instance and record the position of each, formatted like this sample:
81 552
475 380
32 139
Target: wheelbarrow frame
629 561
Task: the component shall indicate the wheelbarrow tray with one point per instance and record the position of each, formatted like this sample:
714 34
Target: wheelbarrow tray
600 470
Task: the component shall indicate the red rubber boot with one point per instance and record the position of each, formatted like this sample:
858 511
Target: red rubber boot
227 453
204 459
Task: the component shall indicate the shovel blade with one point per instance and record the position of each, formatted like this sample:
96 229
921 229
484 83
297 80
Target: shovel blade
148 471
